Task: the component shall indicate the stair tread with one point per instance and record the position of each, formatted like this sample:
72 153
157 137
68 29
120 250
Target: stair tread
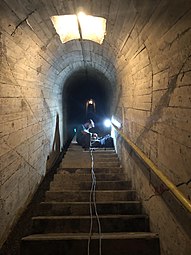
88 191
98 202
98 181
81 236
63 221
61 168
107 174
119 216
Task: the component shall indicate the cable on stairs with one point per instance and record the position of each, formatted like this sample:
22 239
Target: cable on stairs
93 194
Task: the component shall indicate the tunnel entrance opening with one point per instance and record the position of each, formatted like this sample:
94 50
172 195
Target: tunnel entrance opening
87 94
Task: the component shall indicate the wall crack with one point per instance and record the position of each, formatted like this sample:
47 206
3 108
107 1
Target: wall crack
163 102
161 189
22 21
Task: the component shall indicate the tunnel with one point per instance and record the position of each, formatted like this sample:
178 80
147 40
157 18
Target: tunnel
82 87
140 74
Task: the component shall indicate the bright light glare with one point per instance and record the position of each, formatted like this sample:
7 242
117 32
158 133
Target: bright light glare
107 123
116 122
90 101
66 26
92 28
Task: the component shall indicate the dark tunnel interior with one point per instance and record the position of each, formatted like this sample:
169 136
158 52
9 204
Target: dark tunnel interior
87 94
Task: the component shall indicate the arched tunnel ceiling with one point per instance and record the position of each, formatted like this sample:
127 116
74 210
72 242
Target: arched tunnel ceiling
54 58
82 86
145 59
37 52
58 61
75 55
30 20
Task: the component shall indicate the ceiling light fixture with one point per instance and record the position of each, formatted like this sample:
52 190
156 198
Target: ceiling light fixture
81 26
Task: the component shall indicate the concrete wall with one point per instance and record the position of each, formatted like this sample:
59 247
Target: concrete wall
155 108
34 67
29 106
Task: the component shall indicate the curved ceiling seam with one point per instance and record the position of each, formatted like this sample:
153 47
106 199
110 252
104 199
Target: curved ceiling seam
107 62
79 66
108 67
67 59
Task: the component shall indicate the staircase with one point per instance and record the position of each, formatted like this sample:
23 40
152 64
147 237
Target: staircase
63 224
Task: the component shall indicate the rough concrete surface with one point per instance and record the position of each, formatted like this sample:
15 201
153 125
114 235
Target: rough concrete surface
146 60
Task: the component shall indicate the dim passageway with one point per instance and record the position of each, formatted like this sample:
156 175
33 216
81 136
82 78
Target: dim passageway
126 60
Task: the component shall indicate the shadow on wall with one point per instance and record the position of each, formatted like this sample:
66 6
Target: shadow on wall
55 153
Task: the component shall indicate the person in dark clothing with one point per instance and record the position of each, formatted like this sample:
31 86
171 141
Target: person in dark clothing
83 135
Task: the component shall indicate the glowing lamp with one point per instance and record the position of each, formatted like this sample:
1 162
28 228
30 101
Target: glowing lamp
107 123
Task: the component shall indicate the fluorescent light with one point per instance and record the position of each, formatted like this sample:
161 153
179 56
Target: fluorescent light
92 28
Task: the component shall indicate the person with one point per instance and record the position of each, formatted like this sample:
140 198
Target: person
83 135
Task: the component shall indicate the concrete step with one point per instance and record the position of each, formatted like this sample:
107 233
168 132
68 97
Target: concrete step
73 244
104 150
61 185
101 170
95 150
100 163
84 195
81 224
83 160
96 157
100 155
106 164
87 164
63 221
88 177
83 208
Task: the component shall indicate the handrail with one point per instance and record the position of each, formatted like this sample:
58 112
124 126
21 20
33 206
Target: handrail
183 200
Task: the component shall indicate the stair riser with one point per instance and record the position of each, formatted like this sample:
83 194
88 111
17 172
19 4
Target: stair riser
96 157
97 160
109 152
88 177
85 196
83 209
60 185
111 247
106 159
100 156
114 170
106 164
83 225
